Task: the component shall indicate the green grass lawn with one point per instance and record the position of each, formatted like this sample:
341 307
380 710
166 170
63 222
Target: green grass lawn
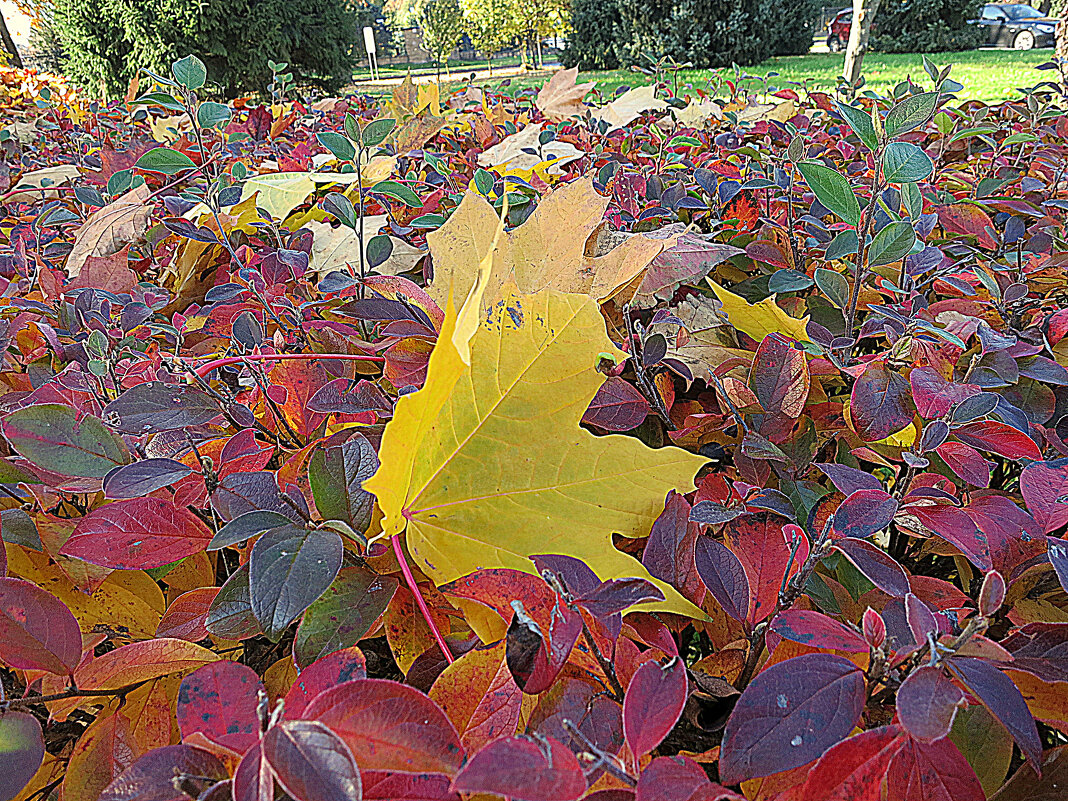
989 75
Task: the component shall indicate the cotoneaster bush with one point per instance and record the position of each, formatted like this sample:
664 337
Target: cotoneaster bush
478 446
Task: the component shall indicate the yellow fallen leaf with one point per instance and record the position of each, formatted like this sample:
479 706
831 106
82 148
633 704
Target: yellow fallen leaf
127 602
487 464
761 318
281 192
168 129
561 97
551 249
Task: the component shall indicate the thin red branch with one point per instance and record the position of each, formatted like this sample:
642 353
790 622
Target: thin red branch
410 580
204 369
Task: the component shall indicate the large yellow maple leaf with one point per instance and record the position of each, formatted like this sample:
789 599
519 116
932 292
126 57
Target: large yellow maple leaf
487 465
552 249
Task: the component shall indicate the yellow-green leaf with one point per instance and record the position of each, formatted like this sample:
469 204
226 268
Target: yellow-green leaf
761 318
486 465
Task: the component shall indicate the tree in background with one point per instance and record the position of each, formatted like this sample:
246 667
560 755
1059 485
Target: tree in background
442 23
931 26
106 41
536 19
9 44
489 24
591 43
797 22
707 32
859 32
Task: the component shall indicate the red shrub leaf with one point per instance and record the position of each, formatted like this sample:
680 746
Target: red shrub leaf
723 576
817 631
927 702
311 762
138 534
853 769
617 406
790 714
219 701
541 768
998 694
931 772
877 565
653 704
863 513
999 438
1044 486
37 630
880 403
390 726
779 376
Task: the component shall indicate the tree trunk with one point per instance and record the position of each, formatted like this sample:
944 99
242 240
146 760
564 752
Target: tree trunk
859 31
9 43
1059 9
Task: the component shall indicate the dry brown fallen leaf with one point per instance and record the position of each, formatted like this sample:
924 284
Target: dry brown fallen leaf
513 152
561 97
110 229
705 341
337 248
557 248
629 106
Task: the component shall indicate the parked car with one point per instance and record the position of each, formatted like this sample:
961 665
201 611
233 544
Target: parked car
1018 26
1007 24
838 30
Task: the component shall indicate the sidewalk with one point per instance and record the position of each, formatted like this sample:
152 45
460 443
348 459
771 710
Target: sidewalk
457 75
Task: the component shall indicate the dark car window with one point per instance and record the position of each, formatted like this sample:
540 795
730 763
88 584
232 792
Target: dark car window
1023 12
993 12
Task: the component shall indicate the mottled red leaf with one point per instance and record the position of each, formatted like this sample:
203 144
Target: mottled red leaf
184 618
673 778
1044 486
934 395
760 545
654 701
542 769
669 551
617 406
336 668
311 762
966 462
999 695
818 631
37 630
151 778
999 438
790 714
853 769
927 702
723 576
958 529
219 701
138 534
1013 536
391 726
779 376
968 219
389 786
880 403
877 565
864 513
931 772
